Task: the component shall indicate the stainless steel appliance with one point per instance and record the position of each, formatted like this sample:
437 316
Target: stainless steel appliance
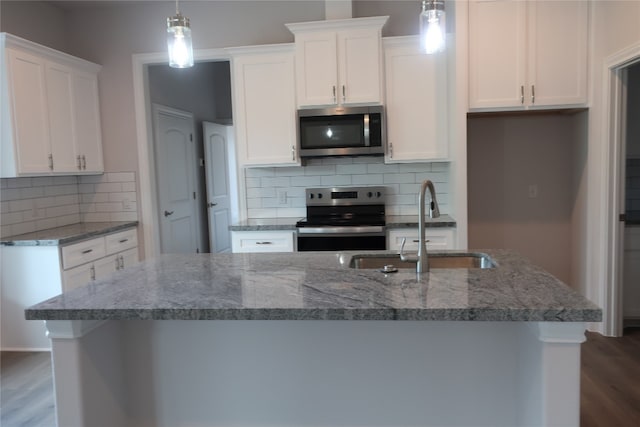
341 131
343 218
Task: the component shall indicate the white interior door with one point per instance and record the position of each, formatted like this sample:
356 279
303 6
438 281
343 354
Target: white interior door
216 151
175 176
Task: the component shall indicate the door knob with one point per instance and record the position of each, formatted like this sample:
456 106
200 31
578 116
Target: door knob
167 213
212 204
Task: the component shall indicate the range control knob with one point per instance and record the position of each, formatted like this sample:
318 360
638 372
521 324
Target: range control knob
319 195
311 195
378 194
369 194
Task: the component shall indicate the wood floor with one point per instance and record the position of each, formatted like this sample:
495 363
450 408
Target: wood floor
610 387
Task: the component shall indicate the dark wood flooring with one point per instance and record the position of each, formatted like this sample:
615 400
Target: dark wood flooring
610 384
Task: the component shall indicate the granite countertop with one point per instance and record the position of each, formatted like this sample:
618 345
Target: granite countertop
318 286
392 221
67 234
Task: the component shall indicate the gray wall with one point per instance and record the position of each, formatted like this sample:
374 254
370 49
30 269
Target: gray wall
506 155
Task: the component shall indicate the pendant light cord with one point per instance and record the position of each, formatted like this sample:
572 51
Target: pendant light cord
177 12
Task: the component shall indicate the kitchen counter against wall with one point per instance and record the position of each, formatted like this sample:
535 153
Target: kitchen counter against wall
66 234
392 222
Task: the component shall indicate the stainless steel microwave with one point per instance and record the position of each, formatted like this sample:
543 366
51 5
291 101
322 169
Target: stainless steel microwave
341 131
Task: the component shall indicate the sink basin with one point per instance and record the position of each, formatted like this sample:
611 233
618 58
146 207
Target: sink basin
436 260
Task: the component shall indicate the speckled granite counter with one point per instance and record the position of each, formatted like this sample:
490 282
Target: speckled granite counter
393 222
67 234
320 286
411 221
265 224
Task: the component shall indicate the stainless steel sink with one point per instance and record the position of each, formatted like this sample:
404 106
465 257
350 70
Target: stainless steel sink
436 260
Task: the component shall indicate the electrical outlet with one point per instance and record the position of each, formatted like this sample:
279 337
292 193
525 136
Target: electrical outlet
282 197
533 191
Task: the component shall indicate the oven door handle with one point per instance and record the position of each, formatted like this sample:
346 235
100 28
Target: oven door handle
368 229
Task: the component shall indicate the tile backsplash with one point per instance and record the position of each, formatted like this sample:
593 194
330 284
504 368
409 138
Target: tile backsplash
280 191
33 204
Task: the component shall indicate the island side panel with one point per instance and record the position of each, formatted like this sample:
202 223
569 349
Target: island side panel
321 373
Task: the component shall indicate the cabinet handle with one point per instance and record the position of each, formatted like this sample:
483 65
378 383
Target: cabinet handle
391 150
167 213
334 94
51 161
264 243
87 251
84 162
522 95
123 240
293 152
344 94
121 262
117 263
533 94
92 272
79 162
418 241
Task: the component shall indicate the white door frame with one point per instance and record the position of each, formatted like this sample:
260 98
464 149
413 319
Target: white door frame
146 169
611 252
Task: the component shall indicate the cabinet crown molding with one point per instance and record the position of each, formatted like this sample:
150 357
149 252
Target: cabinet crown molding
9 40
338 24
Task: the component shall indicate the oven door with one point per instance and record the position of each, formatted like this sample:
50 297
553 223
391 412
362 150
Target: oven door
341 238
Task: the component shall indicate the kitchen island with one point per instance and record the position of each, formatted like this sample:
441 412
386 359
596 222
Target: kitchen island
220 340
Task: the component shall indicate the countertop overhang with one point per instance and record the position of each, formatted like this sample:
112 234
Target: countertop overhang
318 286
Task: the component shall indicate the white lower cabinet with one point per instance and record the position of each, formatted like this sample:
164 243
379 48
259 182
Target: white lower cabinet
263 241
437 238
32 274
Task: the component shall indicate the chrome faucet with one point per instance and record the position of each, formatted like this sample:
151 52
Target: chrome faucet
421 259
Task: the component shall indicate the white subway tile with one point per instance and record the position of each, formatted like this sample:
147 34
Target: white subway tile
123 216
298 202
402 199
62 210
275 182
414 167
436 177
42 181
351 169
87 207
289 171
122 197
5 231
94 197
4 183
61 190
92 179
108 207
321 170
337 161
368 179
130 206
306 181
86 188
21 205
45 223
261 192
260 213
382 168
336 180
128 186
412 188
24 227
254 203
270 202
291 212
31 192
70 199
45 202
4 208
259 172
399 178
68 219
252 182
120 176
108 187
10 194
11 218
34 214
96 217
368 159
440 167
65 180
19 182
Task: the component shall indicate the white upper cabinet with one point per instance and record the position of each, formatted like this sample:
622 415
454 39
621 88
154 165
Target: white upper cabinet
527 54
339 62
264 105
416 102
50 114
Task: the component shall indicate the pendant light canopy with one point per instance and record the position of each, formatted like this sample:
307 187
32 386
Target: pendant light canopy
432 26
179 41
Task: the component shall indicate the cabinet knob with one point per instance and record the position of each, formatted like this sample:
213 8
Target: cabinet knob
533 94
521 94
344 94
79 162
335 101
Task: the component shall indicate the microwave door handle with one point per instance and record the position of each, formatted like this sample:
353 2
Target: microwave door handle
367 142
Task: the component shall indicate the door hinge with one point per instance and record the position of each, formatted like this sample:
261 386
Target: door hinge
194 195
197 250
622 218
191 137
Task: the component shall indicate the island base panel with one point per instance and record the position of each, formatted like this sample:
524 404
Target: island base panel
316 373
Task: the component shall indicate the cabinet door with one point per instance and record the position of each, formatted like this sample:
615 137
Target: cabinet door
60 105
557 70
359 67
316 69
416 102
78 276
497 53
128 258
87 122
265 109
29 111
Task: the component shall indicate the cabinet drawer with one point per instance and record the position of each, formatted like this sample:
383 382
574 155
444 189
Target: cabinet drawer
436 239
121 241
261 241
83 252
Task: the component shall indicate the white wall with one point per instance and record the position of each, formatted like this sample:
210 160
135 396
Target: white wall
38 21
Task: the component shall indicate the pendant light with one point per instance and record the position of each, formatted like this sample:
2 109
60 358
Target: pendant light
432 26
179 41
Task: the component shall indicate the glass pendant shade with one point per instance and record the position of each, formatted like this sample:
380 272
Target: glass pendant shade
179 42
432 26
